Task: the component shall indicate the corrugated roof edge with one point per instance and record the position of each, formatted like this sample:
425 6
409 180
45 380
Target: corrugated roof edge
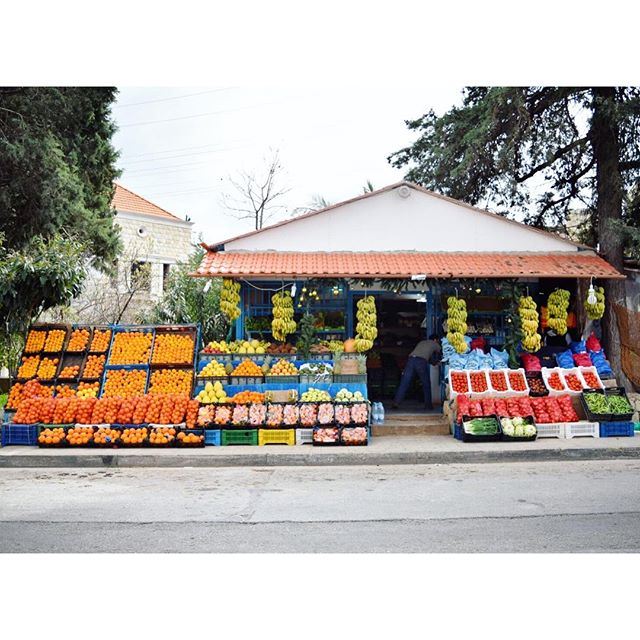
220 245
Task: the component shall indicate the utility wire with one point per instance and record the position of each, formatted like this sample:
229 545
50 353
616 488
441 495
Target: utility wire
199 115
186 95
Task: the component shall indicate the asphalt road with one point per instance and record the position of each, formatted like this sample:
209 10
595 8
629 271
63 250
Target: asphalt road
543 507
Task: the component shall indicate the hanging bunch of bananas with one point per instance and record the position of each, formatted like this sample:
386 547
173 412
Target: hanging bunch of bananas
229 299
557 305
366 330
282 324
527 310
457 323
595 311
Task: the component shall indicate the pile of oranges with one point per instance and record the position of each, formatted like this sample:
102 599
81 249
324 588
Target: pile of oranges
88 390
55 340
35 341
51 436
100 341
65 391
106 436
162 435
70 372
283 368
28 412
247 368
248 397
134 436
29 367
170 381
131 347
189 438
30 389
192 413
121 383
78 340
171 348
78 436
47 368
94 367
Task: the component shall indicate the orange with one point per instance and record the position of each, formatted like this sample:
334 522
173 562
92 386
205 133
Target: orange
173 349
100 341
78 340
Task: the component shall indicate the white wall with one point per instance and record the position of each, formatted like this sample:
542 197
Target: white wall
388 222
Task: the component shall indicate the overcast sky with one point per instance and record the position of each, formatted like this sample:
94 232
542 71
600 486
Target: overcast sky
178 149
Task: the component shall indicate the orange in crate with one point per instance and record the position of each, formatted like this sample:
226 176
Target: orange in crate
78 436
94 366
65 391
47 368
88 390
55 340
133 347
35 341
106 435
162 435
51 436
248 397
29 367
170 381
171 348
70 371
78 340
247 368
101 340
121 383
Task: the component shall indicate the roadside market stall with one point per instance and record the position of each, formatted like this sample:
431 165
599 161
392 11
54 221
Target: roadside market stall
410 250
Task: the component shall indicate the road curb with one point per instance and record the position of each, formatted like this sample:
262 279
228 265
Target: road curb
311 459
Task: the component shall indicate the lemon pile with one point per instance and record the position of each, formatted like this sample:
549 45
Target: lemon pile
531 339
557 305
212 393
213 369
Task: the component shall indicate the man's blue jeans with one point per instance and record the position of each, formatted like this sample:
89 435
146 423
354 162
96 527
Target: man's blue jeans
420 367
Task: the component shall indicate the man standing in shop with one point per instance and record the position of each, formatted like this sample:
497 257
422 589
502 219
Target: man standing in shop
425 353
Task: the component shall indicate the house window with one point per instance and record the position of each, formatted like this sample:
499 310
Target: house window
140 275
166 268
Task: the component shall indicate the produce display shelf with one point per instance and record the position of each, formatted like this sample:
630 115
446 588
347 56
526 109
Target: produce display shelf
239 436
281 379
276 436
212 437
581 429
616 429
19 434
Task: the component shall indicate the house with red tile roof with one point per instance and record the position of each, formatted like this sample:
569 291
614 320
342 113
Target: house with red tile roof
154 240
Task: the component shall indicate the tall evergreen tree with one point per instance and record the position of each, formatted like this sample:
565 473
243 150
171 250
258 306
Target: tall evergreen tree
57 167
542 151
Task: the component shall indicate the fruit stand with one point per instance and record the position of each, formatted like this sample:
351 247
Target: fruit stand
158 386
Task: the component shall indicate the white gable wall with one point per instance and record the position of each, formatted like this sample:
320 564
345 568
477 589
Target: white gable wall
388 222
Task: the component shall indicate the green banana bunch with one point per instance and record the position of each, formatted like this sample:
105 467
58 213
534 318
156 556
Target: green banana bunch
527 310
366 330
229 299
283 323
596 311
457 323
557 305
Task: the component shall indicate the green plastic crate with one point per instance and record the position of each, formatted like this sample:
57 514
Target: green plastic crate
239 436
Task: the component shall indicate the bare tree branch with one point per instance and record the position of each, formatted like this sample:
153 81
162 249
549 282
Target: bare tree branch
256 197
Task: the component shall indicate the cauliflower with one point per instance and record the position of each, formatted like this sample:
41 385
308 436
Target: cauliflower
529 430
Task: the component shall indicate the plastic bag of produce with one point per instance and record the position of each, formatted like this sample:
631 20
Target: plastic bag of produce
578 347
565 359
500 358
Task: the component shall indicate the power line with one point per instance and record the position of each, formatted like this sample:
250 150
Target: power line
199 115
186 95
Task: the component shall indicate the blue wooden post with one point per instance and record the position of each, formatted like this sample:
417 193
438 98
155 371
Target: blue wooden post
349 313
241 318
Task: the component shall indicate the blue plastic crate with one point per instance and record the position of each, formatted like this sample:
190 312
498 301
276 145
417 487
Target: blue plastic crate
19 434
616 429
457 431
212 437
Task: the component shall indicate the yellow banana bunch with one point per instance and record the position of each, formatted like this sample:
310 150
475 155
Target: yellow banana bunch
596 311
531 339
557 305
282 324
229 299
366 330
457 323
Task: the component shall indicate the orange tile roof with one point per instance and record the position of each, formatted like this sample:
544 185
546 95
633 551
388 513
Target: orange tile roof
125 200
404 264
